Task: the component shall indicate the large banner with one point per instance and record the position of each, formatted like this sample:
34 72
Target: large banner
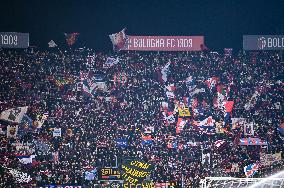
263 42
164 43
134 171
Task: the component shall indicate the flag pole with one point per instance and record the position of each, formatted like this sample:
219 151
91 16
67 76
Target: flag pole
182 180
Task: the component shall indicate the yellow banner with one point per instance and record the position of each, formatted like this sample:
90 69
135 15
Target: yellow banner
183 112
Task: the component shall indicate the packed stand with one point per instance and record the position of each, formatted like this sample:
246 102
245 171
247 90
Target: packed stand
144 95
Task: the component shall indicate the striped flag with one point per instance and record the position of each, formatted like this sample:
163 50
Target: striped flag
147 140
219 143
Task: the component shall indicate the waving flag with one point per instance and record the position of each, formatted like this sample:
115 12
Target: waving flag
164 71
89 87
212 82
56 132
183 112
52 44
149 129
252 100
55 156
25 125
12 131
281 129
172 145
207 125
252 142
229 106
180 125
220 143
19 176
26 159
111 61
170 91
250 170
71 38
190 83
61 82
41 118
170 118
14 115
119 40
147 140
90 174
120 78
122 143
206 158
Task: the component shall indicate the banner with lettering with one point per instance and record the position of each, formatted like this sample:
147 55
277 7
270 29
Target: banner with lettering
263 42
134 171
108 174
164 43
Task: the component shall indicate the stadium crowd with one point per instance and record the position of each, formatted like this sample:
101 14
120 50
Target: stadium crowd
141 104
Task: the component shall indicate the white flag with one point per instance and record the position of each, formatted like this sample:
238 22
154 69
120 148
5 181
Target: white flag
56 132
52 44
205 158
26 159
164 72
14 115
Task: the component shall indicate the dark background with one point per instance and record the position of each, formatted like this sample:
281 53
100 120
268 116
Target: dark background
222 22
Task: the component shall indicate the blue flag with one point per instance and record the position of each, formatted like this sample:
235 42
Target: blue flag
122 143
90 175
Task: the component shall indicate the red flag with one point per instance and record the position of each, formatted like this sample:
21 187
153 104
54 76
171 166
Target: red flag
229 106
